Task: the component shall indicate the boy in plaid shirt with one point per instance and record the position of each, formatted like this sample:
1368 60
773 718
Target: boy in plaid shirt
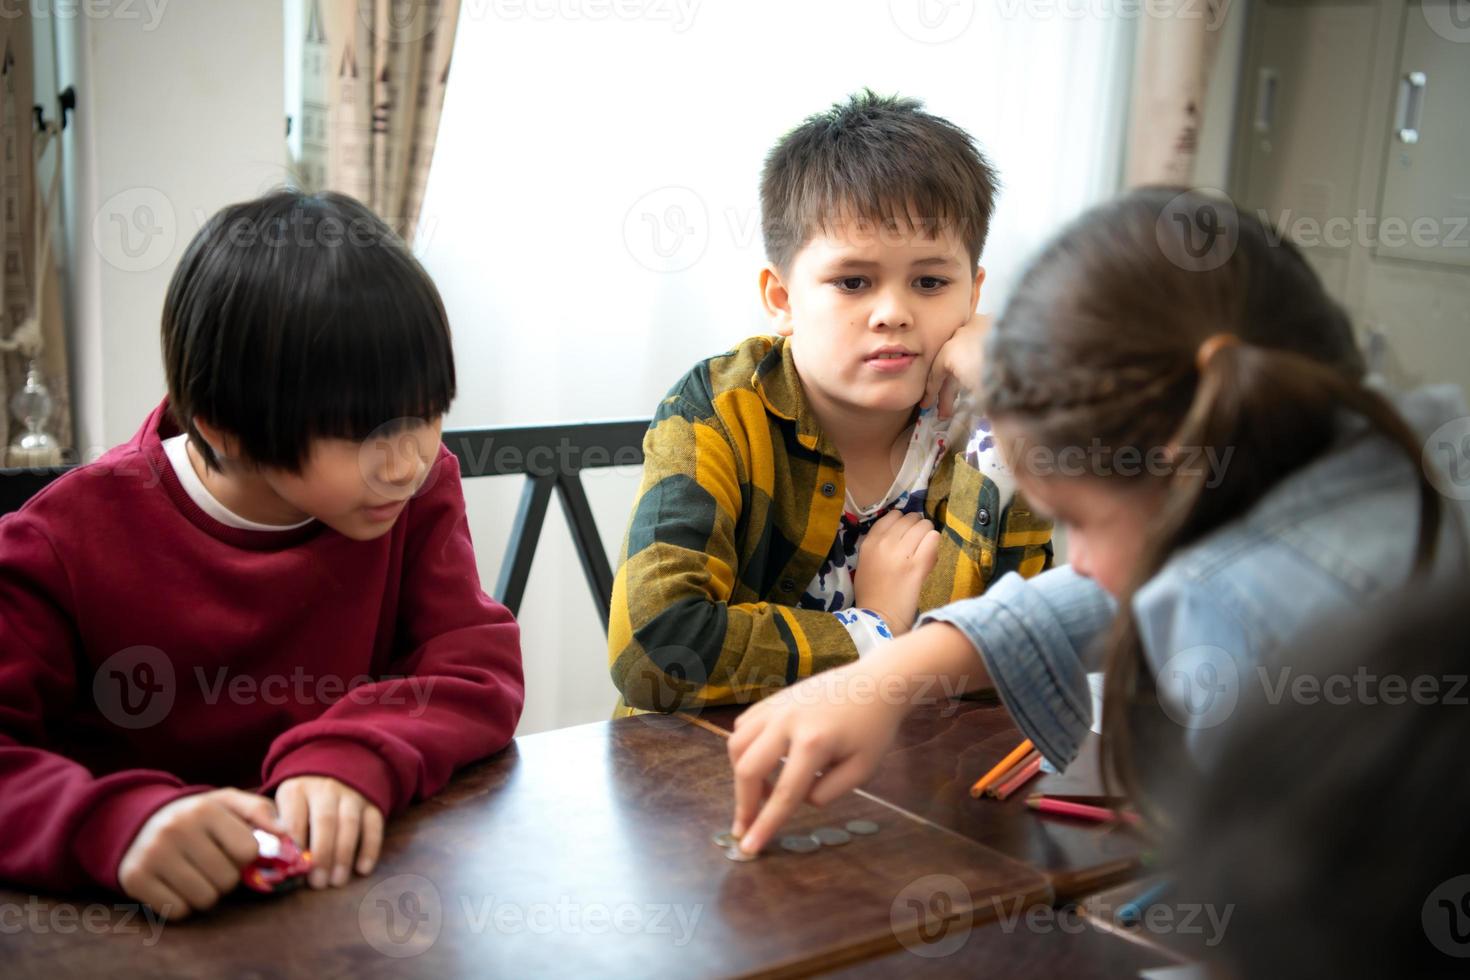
774 470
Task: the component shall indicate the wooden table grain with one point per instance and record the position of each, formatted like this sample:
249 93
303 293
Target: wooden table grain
579 851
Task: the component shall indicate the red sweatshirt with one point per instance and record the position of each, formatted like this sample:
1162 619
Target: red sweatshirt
148 652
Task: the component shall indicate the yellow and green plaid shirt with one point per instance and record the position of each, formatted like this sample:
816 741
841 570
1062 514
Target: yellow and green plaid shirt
741 499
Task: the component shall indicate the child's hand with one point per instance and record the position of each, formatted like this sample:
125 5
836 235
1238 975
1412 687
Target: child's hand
956 366
342 824
190 851
829 724
898 552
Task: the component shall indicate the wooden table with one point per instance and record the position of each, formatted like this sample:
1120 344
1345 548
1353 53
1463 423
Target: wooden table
940 752
580 851
1067 945
1173 925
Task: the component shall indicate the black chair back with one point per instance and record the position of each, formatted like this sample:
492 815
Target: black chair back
550 457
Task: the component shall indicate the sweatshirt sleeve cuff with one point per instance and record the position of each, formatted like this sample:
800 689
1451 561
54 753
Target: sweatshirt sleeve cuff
1030 648
109 830
342 759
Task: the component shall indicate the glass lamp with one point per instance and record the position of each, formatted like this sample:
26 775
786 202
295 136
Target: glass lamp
31 406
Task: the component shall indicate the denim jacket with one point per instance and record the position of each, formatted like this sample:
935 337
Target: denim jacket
1220 616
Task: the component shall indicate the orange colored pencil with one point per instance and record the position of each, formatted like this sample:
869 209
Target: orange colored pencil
1001 768
1017 777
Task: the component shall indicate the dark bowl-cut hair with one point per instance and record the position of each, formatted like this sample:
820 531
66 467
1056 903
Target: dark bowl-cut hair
294 317
878 158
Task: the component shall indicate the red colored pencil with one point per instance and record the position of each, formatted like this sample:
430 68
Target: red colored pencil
1082 811
1023 774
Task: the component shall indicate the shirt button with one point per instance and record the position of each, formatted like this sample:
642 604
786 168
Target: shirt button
984 517
829 489
787 585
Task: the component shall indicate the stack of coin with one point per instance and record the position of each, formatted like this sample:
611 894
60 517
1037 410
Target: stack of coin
801 843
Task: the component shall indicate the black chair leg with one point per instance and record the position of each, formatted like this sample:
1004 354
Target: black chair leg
589 543
524 534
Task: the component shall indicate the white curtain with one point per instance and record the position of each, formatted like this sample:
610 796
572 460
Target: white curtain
1170 83
592 213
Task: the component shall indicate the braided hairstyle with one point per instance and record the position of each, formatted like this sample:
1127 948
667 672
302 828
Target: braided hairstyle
1101 346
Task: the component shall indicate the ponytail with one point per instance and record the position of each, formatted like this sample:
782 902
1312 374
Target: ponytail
1242 390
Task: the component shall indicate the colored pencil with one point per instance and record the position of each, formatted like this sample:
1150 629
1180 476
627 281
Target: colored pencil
1028 770
1130 913
1082 811
1001 768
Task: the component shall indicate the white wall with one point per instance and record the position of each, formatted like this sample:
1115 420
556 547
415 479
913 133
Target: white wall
179 113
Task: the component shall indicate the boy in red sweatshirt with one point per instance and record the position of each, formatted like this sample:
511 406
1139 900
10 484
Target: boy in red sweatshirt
271 586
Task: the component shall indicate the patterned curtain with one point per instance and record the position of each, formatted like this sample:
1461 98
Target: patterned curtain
1171 74
32 325
373 80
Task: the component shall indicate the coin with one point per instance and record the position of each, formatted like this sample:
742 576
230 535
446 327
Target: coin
862 827
726 839
734 853
831 836
800 843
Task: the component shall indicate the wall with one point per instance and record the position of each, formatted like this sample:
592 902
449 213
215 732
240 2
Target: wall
179 113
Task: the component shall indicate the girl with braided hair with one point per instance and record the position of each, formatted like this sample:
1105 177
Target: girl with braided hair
1172 384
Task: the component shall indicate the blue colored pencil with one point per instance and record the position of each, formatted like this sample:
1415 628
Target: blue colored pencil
1131 913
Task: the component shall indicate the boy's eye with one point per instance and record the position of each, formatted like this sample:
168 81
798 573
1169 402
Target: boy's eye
850 284
930 284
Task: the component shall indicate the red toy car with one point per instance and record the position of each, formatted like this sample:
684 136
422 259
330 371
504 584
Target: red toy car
281 865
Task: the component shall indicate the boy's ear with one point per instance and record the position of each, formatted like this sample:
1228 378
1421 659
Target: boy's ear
975 288
225 446
776 300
